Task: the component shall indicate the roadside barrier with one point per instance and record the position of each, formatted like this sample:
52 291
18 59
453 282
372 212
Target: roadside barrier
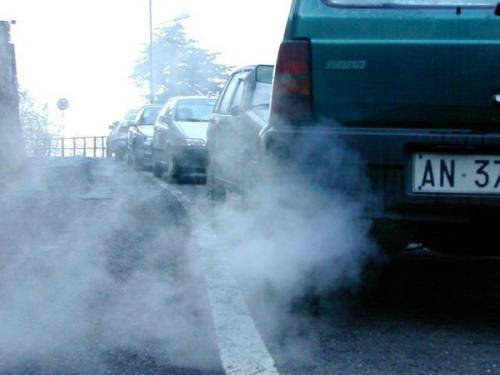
67 147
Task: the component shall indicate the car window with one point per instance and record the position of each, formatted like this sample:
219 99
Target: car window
131 115
262 94
225 101
149 115
238 95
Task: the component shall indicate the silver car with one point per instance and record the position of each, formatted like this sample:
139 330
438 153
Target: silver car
180 136
116 143
140 134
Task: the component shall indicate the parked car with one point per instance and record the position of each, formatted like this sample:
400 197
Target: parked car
240 114
411 88
180 135
140 136
116 143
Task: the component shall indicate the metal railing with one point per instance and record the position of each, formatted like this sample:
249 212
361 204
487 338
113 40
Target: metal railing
67 147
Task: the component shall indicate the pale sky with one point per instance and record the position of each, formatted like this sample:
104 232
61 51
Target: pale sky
85 50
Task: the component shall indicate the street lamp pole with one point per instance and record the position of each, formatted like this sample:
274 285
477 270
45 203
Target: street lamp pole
152 88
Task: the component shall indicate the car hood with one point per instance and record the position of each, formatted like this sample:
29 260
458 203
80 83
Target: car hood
147 130
193 129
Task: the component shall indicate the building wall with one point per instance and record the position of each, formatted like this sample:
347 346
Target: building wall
11 139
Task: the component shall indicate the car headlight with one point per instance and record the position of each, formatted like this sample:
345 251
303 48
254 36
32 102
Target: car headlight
194 142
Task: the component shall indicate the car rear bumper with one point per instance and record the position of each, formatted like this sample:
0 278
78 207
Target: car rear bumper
119 144
375 166
192 159
145 154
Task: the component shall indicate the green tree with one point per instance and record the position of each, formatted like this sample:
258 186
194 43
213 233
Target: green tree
181 66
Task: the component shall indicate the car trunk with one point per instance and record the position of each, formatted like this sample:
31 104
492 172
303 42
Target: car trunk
403 67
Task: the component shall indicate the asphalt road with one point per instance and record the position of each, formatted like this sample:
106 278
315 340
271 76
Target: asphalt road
107 270
416 315
96 276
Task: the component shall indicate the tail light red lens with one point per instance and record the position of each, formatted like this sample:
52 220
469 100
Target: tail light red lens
123 130
291 100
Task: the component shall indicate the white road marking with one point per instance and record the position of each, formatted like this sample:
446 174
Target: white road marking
241 347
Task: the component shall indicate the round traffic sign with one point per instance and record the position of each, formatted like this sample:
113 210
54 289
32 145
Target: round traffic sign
63 104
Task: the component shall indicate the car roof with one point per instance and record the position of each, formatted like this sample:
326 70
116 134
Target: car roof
249 68
152 106
190 97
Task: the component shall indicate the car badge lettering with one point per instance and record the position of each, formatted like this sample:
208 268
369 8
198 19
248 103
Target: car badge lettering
346 65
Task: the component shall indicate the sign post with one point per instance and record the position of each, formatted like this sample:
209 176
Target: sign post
63 105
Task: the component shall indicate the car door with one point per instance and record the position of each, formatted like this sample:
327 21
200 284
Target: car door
132 131
225 153
161 132
248 124
238 130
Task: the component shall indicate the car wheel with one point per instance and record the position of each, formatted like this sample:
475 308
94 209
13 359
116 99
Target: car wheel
216 190
157 168
172 169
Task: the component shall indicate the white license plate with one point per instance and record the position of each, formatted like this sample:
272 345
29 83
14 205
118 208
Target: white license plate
456 174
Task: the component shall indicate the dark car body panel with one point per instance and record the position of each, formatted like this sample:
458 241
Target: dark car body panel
390 82
401 66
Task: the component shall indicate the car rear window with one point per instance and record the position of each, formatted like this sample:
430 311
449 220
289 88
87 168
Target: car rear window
412 3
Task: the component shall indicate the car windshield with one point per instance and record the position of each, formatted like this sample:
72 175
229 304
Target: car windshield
149 115
194 110
131 115
396 3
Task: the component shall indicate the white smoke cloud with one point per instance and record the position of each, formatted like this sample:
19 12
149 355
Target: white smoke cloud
94 267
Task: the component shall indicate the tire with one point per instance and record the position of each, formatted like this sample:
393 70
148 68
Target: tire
216 190
173 171
157 168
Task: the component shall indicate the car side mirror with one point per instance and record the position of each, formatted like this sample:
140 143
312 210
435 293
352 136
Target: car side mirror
166 119
235 111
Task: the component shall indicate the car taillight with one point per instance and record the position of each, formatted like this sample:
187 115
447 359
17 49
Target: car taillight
291 99
123 130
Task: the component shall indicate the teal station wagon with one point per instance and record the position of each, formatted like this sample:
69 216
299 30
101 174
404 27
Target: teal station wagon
398 104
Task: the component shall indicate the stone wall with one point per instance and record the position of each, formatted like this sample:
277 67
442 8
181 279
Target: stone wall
11 138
